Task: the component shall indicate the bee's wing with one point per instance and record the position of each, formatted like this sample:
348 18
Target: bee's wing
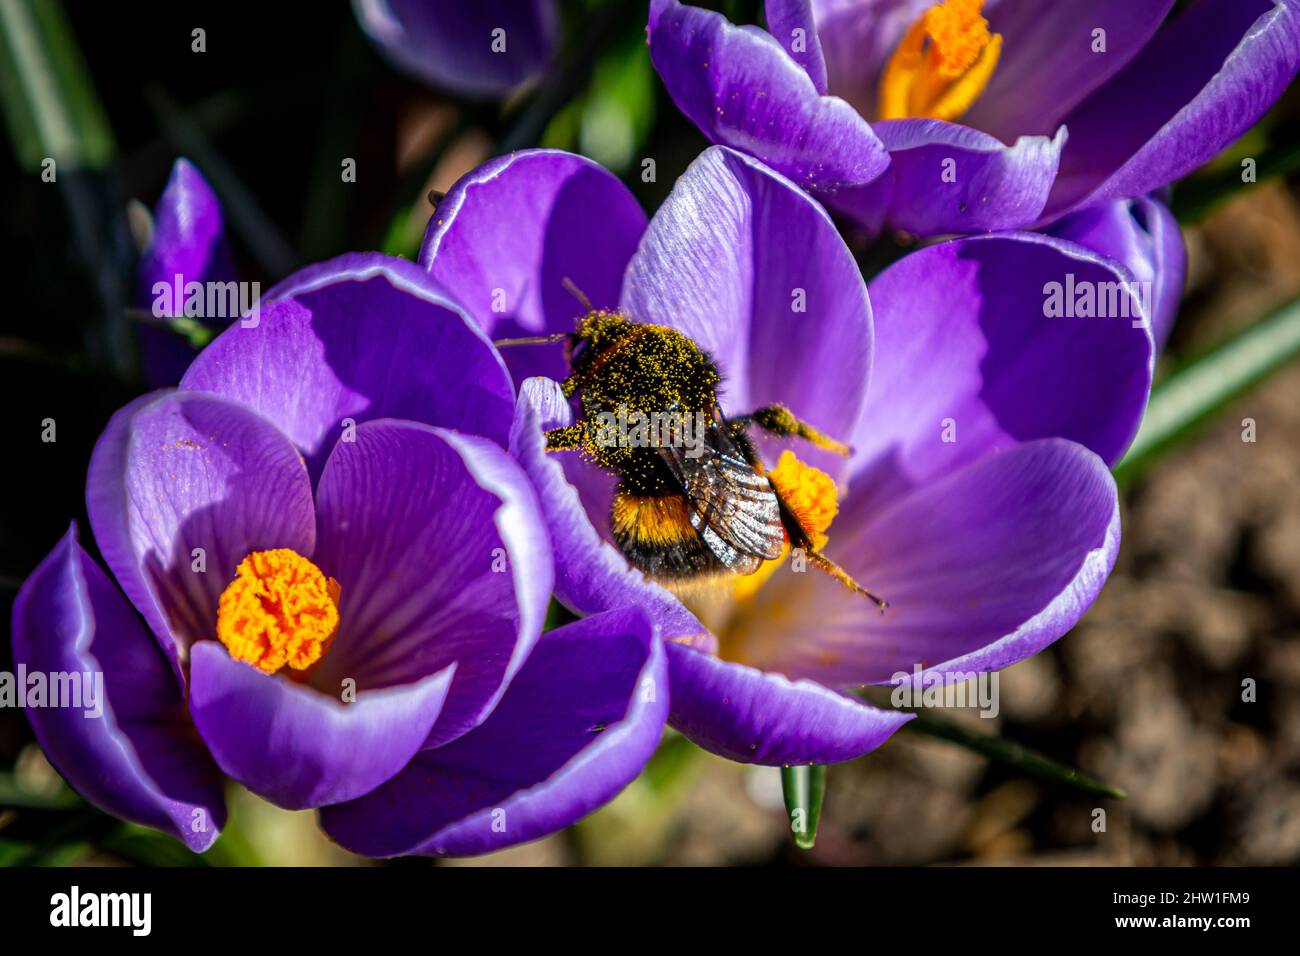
733 507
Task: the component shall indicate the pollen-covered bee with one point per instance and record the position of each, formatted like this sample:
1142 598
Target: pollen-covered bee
693 497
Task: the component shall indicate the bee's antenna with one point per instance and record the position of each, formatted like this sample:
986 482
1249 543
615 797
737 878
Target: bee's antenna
534 340
577 294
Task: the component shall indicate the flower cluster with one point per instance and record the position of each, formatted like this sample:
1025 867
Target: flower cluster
935 118
331 548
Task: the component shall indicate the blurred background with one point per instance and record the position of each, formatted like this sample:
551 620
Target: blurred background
1145 694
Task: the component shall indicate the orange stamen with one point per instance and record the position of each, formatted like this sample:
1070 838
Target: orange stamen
942 65
280 610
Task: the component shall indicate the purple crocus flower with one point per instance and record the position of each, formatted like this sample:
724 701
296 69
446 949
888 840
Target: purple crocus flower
979 501
188 239
328 581
482 49
963 116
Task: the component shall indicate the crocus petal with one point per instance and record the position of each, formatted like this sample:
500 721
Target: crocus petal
1050 61
577 725
189 241
443 558
300 748
455 45
138 759
590 574
785 18
716 265
946 178
981 569
1204 79
182 486
1143 235
507 236
741 88
750 716
359 337
969 361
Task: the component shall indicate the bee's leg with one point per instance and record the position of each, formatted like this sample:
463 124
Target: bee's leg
779 420
799 539
568 438
839 574
570 385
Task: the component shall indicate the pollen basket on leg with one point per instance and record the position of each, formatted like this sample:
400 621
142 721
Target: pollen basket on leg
280 610
808 492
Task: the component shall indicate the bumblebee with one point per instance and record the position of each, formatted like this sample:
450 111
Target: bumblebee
693 497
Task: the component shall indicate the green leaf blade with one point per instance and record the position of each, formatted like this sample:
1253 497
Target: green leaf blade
1192 394
1011 754
50 104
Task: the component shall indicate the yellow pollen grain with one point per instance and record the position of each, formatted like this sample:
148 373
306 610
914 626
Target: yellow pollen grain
942 65
812 496
810 493
280 610
958 34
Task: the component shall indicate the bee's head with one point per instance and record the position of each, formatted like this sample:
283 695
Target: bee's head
599 327
597 331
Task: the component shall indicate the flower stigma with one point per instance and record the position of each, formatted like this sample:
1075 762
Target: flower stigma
942 65
281 610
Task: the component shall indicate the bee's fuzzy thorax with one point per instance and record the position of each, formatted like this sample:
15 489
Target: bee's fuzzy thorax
809 492
628 369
